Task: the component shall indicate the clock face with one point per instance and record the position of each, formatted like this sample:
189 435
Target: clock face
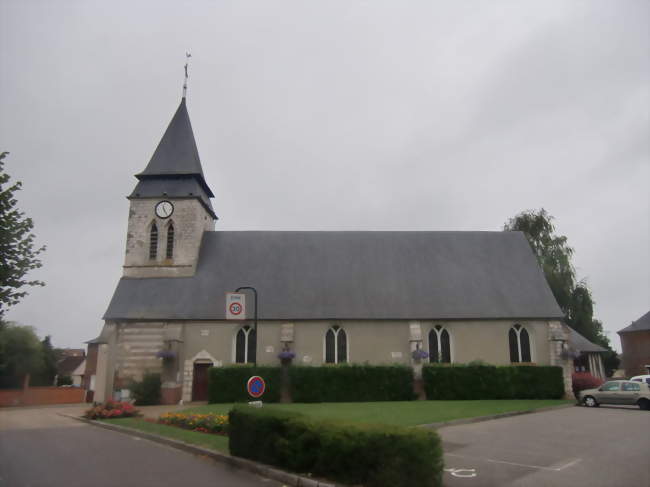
164 209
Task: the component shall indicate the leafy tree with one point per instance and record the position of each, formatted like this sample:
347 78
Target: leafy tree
21 353
18 255
46 374
552 252
554 257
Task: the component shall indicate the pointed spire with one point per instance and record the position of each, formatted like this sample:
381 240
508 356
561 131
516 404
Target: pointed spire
176 154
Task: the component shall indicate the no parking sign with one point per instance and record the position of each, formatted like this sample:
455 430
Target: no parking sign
255 386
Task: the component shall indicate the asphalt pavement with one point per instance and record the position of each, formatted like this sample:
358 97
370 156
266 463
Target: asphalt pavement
576 447
41 448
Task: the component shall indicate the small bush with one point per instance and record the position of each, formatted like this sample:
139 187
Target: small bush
584 380
204 423
228 384
375 456
351 383
457 382
64 380
112 409
147 391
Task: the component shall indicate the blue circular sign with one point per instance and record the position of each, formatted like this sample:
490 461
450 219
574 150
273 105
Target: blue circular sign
255 386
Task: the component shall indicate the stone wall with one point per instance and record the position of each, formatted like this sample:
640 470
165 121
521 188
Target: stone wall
190 220
636 352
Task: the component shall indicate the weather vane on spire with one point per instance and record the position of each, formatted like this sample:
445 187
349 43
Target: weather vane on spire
187 61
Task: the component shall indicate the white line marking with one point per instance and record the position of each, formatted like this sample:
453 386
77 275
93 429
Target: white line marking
553 469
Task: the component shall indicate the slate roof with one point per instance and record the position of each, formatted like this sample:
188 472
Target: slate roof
351 275
175 163
67 365
581 344
642 324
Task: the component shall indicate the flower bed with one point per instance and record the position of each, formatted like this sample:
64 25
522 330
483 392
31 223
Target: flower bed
205 423
112 409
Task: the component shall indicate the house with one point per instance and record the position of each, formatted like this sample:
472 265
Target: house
588 355
330 297
635 341
72 365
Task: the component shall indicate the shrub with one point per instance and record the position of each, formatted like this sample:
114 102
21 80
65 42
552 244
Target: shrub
351 383
372 455
228 384
453 382
147 391
112 409
584 380
204 423
64 380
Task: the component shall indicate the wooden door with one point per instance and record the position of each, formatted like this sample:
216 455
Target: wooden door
200 382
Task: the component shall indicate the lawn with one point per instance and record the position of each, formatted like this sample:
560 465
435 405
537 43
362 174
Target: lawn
404 413
214 442
401 413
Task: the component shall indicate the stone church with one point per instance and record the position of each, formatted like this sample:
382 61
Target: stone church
329 297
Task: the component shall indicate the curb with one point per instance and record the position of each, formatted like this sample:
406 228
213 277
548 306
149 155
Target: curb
260 469
480 419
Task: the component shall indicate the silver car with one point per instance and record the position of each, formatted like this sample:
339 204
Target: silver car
618 392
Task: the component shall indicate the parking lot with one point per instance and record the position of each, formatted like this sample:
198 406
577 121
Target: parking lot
606 446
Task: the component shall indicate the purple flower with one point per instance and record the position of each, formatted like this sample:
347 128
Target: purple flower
165 354
286 355
420 354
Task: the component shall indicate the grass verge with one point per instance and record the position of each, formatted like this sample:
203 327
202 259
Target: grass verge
214 442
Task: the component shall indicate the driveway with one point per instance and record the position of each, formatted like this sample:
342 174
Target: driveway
41 448
591 447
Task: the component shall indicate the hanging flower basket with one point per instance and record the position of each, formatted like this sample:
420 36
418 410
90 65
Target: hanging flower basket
419 354
570 354
166 354
286 356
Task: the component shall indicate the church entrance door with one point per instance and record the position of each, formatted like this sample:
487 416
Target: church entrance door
200 382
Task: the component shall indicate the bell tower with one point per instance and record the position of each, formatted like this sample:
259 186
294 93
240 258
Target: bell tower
170 207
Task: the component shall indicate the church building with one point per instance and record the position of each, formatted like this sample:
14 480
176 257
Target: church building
329 297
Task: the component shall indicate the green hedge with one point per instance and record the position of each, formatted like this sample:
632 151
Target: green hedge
228 384
351 383
372 455
451 382
147 391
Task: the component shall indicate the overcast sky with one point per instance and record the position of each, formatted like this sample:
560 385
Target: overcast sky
331 115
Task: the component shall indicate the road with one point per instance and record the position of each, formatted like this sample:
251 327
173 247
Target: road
40 448
590 447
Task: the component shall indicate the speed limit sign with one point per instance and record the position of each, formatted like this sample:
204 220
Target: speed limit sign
235 306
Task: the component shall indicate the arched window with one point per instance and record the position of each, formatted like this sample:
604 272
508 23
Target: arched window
245 345
170 241
439 345
336 346
519 342
153 242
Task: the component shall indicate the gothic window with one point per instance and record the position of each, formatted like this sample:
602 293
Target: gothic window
519 343
153 242
170 241
439 345
245 345
336 346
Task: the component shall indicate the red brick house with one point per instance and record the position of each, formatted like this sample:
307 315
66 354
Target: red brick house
635 340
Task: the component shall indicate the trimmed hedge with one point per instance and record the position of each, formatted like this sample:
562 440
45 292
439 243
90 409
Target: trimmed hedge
372 455
228 384
351 383
147 391
454 382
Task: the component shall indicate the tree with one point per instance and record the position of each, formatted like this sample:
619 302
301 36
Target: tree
21 353
46 374
18 254
554 257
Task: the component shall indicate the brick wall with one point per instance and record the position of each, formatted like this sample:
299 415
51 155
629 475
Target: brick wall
636 352
36 396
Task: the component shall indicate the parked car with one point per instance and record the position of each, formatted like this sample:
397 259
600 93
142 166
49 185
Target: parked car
618 392
641 378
